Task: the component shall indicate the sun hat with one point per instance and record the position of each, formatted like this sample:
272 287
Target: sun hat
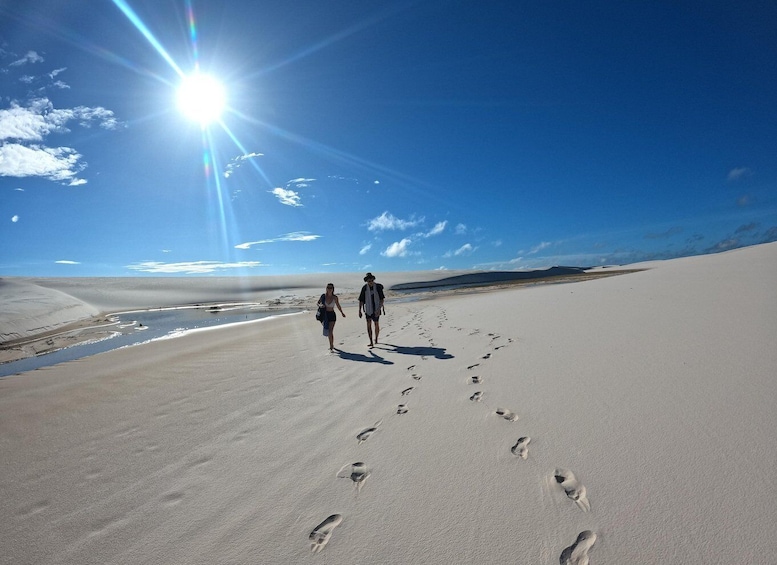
369 276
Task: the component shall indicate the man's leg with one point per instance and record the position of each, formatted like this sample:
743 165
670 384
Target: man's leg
369 328
377 330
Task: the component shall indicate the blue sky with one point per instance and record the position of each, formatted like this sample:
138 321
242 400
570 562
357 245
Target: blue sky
383 136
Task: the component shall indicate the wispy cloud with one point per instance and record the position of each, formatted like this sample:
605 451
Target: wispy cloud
30 57
365 249
397 249
23 128
664 234
238 162
465 249
191 268
461 229
287 197
387 221
65 262
747 227
739 173
537 248
294 236
436 230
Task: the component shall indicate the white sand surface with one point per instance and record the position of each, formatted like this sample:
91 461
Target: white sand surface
651 395
33 306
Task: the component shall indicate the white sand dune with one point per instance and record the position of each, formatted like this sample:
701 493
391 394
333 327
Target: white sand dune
649 399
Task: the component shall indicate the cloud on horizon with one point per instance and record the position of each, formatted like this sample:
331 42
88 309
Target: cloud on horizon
190 268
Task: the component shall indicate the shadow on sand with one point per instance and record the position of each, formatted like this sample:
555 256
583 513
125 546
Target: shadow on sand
436 352
371 358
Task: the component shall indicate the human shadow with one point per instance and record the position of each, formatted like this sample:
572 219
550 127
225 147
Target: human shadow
436 352
371 358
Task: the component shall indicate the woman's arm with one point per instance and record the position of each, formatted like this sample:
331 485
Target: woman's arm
337 301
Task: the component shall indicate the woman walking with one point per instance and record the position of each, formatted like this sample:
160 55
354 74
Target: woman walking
329 301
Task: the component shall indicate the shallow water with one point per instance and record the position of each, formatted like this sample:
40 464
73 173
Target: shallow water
133 328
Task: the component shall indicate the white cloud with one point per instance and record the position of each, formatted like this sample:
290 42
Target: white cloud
365 249
540 247
238 162
387 221
397 249
64 262
461 229
738 173
60 164
19 189
192 267
55 72
23 128
465 249
437 229
30 57
287 197
300 182
294 236
15 218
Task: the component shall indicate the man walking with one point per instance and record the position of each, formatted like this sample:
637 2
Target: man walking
371 301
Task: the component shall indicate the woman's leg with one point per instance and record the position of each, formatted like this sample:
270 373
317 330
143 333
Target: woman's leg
331 335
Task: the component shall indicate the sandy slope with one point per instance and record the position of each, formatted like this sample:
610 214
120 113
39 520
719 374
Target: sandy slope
654 391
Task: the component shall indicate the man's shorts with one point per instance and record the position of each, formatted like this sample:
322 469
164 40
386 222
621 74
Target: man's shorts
373 317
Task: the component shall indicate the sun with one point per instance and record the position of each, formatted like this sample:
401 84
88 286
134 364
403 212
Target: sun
201 98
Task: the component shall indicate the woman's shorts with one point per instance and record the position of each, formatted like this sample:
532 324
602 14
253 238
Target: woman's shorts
330 316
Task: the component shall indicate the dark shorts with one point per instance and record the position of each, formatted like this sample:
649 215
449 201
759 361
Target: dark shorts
330 316
374 317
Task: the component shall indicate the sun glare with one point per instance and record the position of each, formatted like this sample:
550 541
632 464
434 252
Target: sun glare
201 98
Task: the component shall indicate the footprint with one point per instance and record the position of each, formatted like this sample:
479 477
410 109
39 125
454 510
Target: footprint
477 397
402 409
416 377
364 434
486 356
577 553
521 448
477 379
506 414
573 488
357 472
473 366
411 367
407 391
320 535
